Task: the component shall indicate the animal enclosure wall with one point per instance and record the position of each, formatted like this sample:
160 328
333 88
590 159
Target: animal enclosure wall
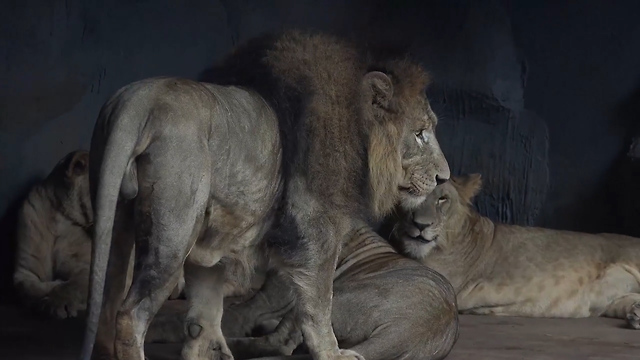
540 97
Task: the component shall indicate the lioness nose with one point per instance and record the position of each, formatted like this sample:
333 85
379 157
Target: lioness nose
441 180
422 226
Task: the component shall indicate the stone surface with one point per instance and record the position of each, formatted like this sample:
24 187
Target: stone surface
481 338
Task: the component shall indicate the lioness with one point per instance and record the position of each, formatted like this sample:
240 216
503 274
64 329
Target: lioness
303 133
385 306
511 270
53 246
53 253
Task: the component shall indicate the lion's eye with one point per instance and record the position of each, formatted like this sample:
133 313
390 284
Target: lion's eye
443 199
422 137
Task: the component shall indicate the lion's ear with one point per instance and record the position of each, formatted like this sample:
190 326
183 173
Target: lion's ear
468 186
79 164
380 88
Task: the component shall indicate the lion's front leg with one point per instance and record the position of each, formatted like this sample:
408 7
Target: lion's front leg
202 325
312 261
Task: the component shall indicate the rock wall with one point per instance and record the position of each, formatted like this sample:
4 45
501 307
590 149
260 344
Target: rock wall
540 100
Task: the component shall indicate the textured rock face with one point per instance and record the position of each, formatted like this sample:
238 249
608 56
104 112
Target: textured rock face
634 149
508 147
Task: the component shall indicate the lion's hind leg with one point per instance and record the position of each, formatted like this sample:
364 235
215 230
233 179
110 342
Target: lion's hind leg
169 210
202 325
626 307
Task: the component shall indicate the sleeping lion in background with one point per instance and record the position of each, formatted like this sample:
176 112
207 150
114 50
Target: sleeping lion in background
509 270
54 242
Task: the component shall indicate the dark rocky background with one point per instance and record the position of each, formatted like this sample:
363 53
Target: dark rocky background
541 97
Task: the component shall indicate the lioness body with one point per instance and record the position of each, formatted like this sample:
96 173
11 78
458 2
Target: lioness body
382 302
200 172
53 254
53 244
512 270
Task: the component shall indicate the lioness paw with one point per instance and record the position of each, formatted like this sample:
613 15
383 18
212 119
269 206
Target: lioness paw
633 317
64 301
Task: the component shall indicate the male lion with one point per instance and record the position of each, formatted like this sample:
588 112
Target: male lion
53 242
521 271
303 133
53 245
384 306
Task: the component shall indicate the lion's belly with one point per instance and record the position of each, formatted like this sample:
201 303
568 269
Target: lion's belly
515 300
246 182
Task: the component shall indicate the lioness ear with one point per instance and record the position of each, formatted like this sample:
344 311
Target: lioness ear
468 186
380 87
79 164
474 184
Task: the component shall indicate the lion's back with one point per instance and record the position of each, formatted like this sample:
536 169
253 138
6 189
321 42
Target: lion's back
415 306
550 246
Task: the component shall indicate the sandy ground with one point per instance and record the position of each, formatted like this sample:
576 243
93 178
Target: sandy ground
24 337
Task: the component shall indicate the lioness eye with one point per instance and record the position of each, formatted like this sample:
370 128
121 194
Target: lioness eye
442 199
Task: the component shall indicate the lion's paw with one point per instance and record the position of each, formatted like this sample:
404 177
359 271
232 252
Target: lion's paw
209 349
344 354
64 301
291 342
633 317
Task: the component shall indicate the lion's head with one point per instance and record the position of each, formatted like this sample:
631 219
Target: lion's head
350 99
405 159
437 222
69 181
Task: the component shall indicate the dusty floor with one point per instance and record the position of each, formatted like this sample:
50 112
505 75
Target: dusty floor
481 338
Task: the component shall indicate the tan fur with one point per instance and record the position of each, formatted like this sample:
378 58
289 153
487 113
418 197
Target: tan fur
510 270
54 243
384 164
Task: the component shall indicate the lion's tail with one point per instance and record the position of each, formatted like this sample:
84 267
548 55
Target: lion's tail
116 175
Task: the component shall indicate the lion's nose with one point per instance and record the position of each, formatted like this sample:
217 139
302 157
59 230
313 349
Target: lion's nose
422 226
441 180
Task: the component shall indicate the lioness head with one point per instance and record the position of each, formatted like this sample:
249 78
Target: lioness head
69 181
405 159
437 222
